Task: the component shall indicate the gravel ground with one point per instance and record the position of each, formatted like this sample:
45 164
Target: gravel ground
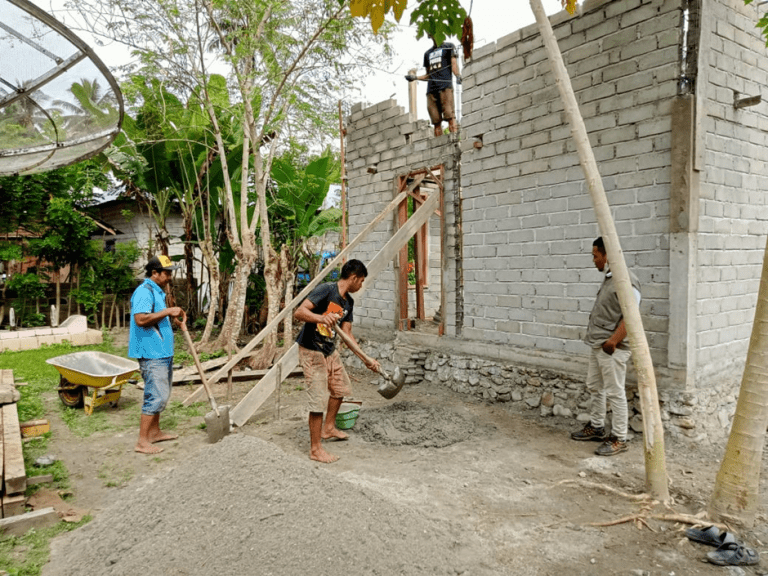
243 506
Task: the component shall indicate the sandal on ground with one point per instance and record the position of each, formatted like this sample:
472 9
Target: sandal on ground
711 536
734 554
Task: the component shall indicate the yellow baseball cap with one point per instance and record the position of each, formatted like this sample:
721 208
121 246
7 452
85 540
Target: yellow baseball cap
161 262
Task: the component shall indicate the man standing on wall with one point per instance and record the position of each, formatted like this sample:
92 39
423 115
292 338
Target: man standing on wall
151 343
440 62
608 358
327 307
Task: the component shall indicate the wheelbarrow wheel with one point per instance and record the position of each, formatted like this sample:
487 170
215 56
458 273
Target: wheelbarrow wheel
71 395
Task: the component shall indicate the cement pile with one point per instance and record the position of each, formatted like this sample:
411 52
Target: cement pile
413 424
243 506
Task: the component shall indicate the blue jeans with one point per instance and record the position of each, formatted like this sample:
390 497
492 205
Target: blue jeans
158 379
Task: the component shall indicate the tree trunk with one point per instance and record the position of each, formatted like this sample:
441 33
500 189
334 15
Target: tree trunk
289 279
265 357
736 495
653 432
206 247
55 321
233 321
189 260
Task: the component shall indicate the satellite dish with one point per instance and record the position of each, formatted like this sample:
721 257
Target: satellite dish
59 103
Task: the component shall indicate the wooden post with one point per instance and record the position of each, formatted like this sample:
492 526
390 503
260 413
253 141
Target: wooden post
413 113
342 134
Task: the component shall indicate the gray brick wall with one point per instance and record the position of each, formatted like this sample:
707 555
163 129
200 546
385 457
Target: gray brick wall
406 146
529 222
734 181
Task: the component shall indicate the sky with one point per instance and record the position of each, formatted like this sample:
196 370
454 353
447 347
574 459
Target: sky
492 19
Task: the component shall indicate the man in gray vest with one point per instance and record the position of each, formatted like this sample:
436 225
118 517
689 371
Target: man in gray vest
608 358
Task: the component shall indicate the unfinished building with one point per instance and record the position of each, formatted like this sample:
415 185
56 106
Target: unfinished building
670 93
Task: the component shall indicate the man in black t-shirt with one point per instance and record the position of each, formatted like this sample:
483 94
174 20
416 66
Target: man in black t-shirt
440 62
328 307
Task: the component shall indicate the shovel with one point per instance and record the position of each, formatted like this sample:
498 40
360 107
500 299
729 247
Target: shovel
217 421
392 384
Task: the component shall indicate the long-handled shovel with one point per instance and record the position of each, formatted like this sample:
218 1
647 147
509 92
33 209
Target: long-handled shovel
392 384
217 421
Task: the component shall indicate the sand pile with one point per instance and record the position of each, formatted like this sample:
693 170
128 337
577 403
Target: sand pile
243 506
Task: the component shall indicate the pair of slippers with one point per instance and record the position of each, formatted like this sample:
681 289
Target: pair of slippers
730 552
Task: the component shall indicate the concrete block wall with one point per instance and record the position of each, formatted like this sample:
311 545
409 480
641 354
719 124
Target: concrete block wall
733 204
383 143
528 220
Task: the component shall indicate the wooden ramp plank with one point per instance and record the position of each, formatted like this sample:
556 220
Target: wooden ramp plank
247 407
14 475
199 394
259 393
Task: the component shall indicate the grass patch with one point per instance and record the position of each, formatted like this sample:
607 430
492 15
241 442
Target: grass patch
32 451
115 477
175 412
30 366
83 425
26 555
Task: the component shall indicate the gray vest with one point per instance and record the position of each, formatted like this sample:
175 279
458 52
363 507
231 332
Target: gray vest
606 313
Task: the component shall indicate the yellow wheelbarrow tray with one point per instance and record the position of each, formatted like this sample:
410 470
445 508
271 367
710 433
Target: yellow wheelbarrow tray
91 379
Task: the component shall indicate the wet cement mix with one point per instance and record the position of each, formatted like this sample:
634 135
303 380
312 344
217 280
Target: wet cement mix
243 506
414 424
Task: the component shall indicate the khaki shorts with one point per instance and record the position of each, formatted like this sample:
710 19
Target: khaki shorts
440 106
325 378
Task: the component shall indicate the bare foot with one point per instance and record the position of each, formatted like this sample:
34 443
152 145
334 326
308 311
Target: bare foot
147 449
163 436
322 456
335 434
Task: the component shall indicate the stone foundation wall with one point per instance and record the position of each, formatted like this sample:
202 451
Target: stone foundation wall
702 417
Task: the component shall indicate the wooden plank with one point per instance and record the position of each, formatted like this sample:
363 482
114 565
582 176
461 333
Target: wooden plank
238 376
2 451
14 475
199 393
42 479
13 504
247 407
207 365
20 524
402 280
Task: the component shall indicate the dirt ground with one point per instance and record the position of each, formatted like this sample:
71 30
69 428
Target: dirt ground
430 482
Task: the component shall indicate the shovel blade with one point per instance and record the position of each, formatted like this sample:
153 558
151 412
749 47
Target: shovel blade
217 426
391 387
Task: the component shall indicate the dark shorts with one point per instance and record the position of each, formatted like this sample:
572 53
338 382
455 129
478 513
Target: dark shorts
440 106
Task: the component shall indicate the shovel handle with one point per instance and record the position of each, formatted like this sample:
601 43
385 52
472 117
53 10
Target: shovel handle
193 352
352 345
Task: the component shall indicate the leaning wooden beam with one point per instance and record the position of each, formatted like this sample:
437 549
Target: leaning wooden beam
261 391
405 233
200 392
252 401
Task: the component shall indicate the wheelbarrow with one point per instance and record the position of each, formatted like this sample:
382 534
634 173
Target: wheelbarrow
92 379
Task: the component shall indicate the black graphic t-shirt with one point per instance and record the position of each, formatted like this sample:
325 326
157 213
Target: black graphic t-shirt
326 299
437 61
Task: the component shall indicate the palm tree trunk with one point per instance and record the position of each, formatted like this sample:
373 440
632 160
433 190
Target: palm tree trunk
653 432
736 495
